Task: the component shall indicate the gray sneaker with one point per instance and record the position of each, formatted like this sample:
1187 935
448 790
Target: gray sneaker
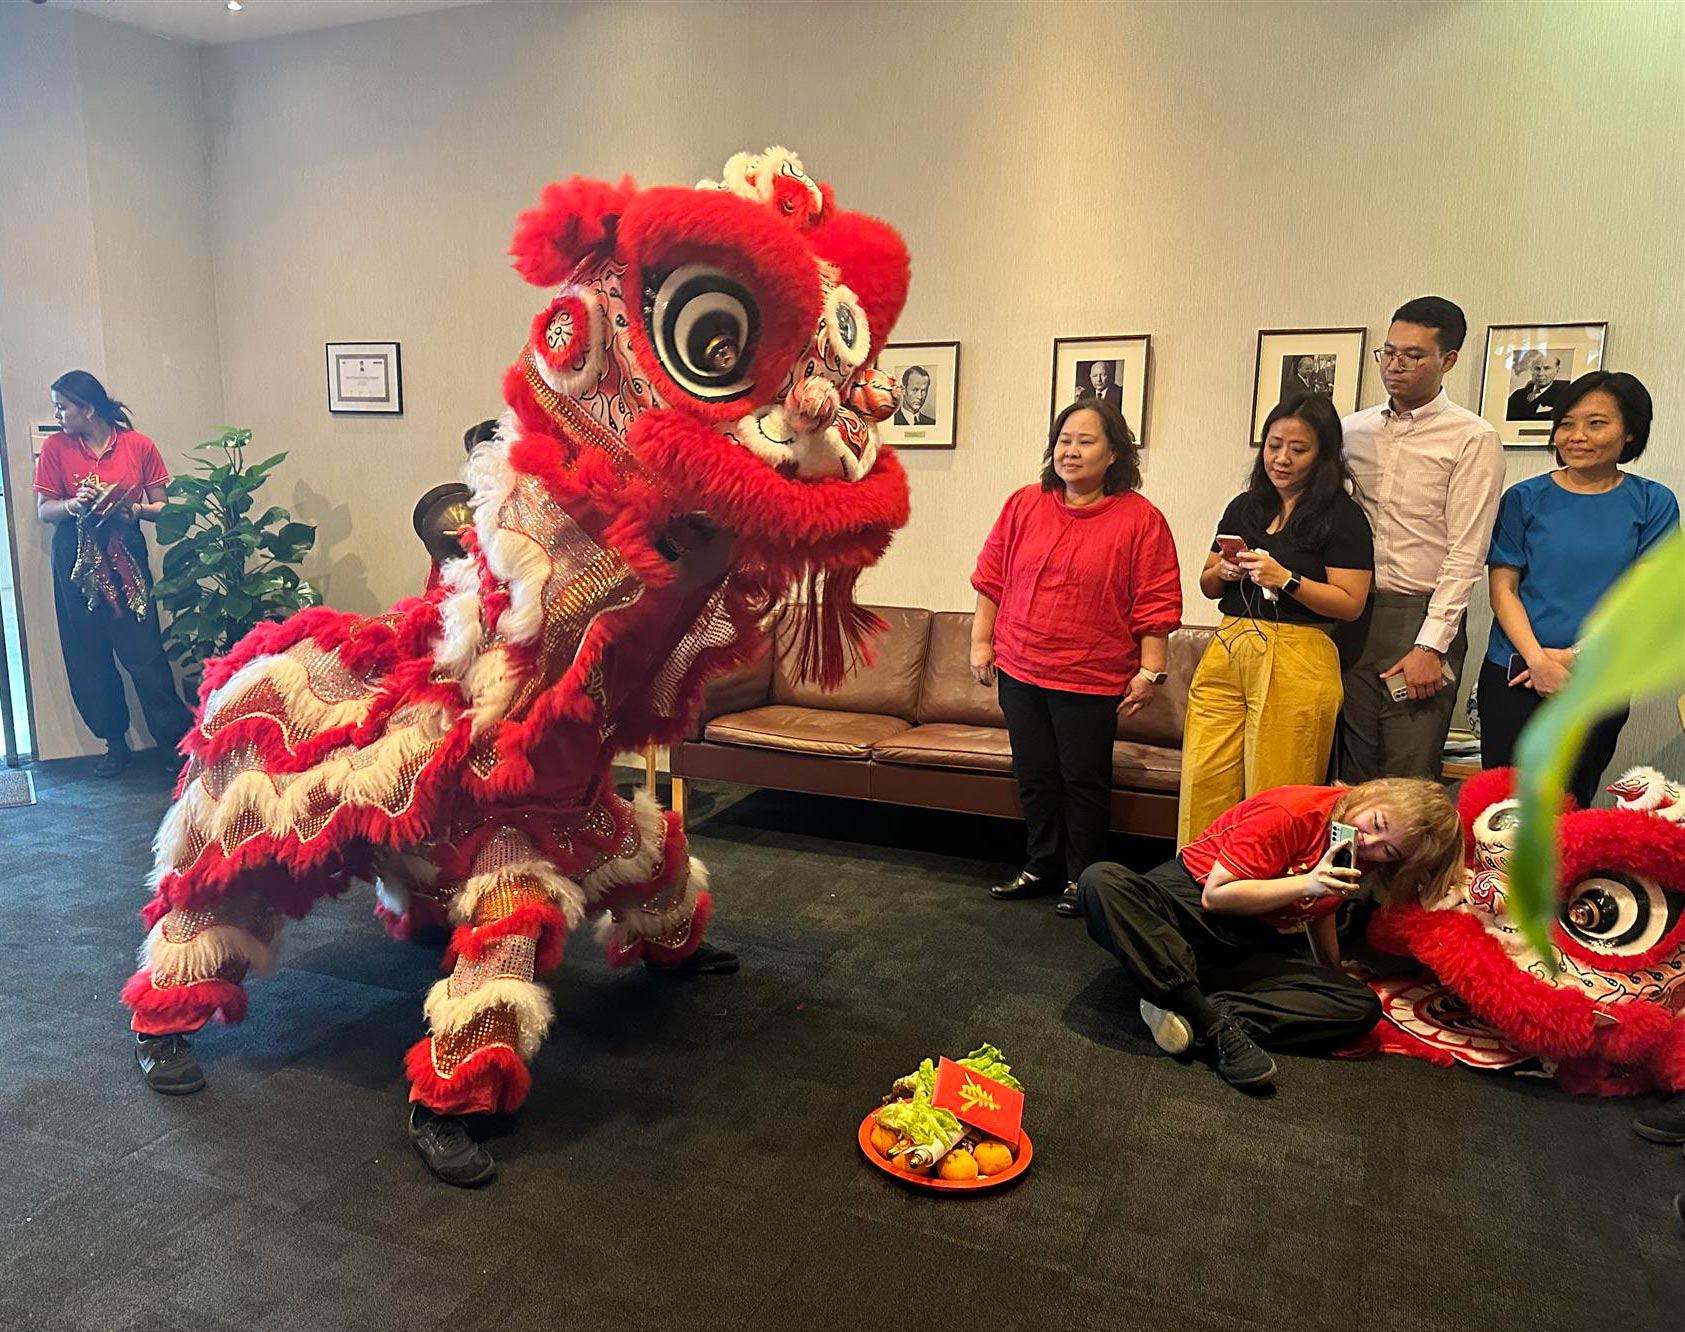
445 1148
167 1064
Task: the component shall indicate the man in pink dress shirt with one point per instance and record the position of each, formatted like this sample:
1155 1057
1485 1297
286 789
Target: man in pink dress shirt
1429 475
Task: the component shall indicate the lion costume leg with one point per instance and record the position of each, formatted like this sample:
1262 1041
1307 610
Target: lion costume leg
652 894
488 1016
193 964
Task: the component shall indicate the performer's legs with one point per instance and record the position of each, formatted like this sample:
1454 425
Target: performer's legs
193 965
1292 1003
488 1016
1156 927
654 896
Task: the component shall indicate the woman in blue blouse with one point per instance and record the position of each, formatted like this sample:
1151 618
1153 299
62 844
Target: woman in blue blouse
1562 540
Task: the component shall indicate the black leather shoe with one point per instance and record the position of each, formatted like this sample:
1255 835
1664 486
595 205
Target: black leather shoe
1070 901
1664 1122
1025 885
167 1065
706 960
114 760
445 1148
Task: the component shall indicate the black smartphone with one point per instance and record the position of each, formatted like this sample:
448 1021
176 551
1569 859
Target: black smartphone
1517 664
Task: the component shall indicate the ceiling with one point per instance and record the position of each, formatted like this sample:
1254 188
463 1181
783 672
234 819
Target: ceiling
209 22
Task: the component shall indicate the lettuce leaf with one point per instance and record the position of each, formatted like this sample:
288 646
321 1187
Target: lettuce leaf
920 1121
988 1061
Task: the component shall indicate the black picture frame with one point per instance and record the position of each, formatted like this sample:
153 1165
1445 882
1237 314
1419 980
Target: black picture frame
363 401
1133 350
941 360
1304 341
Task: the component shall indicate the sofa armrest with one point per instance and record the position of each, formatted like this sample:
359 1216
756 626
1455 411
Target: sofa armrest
739 689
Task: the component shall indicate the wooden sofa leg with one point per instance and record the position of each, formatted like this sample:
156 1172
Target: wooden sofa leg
678 801
649 770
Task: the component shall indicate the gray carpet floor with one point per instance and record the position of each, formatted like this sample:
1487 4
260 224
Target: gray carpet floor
687 1158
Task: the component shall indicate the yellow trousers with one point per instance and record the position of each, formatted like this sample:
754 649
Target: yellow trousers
1261 712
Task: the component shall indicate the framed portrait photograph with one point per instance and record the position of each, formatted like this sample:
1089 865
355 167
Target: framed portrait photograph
1112 368
1291 361
1528 370
364 378
930 393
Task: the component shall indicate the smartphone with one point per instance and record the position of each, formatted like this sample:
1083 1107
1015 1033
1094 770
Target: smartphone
1230 546
1447 677
1343 837
1517 664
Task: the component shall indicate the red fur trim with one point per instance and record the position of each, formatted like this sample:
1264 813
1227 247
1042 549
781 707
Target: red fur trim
873 260
181 1008
1539 1018
543 921
1478 794
490 1081
665 227
573 218
780 520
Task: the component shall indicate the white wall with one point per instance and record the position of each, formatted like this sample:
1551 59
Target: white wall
1196 171
105 265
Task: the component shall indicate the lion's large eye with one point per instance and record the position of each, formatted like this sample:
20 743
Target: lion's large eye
703 324
1619 914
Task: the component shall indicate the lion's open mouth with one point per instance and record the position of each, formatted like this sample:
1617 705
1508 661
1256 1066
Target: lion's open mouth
845 449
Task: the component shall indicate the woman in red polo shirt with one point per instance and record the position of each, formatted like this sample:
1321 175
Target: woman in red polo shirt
95 482
1208 936
1077 593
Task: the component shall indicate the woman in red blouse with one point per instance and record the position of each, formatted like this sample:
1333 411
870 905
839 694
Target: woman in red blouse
95 482
1208 935
1077 593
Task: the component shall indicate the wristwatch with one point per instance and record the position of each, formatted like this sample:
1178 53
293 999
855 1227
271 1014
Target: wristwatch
1155 677
1291 586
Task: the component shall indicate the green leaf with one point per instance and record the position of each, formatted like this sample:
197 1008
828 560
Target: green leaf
173 524
1633 644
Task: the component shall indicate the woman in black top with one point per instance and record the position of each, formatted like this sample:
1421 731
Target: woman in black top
1263 702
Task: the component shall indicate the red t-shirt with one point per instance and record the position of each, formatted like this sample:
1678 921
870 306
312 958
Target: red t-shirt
132 461
1272 835
1078 587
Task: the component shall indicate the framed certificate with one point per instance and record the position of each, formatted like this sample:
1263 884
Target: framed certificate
364 378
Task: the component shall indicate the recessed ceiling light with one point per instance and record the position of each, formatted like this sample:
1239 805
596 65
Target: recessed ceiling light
234 6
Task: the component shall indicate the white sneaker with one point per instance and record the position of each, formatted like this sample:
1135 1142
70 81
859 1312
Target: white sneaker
1170 1030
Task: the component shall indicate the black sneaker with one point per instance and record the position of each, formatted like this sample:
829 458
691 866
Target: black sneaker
445 1148
1239 1059
1070 901
705 961
1025 885
167 1065
1664 1122
114 760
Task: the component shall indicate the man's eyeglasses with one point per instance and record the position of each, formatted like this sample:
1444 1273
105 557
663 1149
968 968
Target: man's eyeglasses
1410 357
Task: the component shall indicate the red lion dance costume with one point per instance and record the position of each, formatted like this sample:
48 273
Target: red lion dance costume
691 432
1611 1019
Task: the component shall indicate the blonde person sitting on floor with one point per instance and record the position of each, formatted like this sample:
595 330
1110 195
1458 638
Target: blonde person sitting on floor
1265 697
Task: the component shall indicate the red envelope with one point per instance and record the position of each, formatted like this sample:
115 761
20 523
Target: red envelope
985 1104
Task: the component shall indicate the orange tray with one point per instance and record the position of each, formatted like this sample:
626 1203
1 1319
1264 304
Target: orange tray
1020 1164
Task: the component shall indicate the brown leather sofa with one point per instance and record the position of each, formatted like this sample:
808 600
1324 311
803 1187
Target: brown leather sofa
914 728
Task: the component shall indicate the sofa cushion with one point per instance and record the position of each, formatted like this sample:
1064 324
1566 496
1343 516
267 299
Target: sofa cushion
1160 722
740 688
842 735
1146 767
888 687
947 745
948 693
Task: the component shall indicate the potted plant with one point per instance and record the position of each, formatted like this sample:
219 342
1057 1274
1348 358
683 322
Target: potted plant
225 571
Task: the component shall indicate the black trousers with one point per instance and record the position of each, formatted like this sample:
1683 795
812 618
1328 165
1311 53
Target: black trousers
1504 712
93 641
1062 760
1154 925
